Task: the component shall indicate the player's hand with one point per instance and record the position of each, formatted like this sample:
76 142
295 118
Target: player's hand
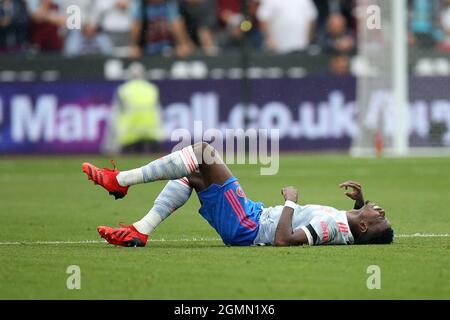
290 193
356 193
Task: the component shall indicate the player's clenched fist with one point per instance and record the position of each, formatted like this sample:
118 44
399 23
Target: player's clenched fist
290 193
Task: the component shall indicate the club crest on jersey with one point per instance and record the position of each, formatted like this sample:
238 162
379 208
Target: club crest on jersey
240 192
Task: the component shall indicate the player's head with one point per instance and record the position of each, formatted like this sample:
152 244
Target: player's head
373 227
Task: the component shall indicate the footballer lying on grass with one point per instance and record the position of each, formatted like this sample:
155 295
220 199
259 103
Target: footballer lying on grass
237 219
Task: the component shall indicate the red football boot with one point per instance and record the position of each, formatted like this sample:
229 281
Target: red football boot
126 236
106 178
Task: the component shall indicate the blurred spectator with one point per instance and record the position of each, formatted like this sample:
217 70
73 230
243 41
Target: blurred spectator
337 37
422 25
167 27
47 21
231 14
159 29
113 19
200 20
87 40
444 45
287 25
340 64
135 125
326 8
14 22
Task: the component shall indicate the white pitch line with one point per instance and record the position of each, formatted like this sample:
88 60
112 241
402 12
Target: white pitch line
414 235
103 241
422 235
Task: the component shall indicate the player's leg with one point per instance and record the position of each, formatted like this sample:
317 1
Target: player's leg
224 203
211 166
200 157
174 195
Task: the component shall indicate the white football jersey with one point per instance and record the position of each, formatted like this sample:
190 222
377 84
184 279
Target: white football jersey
322 225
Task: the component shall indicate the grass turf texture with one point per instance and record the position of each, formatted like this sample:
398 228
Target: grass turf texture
49 199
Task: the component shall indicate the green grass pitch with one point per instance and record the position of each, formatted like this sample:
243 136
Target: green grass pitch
49 199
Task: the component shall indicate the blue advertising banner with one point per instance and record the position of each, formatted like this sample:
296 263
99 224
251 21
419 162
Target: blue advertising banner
313 113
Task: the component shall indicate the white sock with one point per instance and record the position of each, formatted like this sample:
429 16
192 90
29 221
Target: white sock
176 165
173 196
130 177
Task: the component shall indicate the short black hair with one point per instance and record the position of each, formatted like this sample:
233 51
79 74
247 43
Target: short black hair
383 237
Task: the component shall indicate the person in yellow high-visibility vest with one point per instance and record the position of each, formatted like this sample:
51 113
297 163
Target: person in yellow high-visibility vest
136 120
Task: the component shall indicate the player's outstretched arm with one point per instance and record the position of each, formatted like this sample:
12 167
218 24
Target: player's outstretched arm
284 234
356 193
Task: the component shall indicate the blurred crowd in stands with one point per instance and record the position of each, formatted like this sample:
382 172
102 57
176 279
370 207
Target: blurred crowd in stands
182 27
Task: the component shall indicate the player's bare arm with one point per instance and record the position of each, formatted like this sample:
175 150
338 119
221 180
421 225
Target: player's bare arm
284 234
356 193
